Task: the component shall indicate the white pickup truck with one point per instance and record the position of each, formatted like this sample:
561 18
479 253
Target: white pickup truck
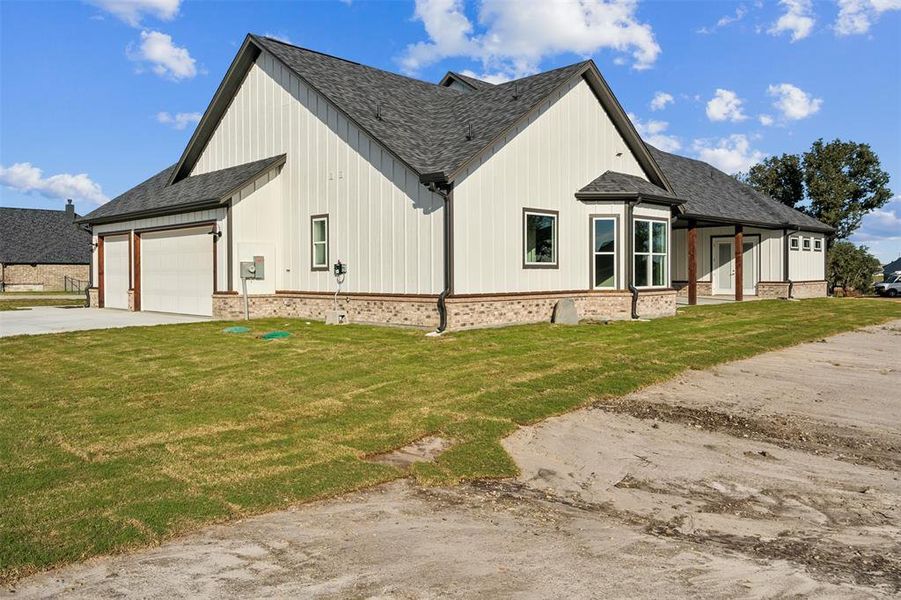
891 287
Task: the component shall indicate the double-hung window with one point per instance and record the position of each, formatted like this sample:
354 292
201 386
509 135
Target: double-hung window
603 248
650 253
539 239
319 246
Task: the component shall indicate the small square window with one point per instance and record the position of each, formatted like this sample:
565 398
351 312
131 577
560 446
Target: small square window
817 245
795 243
539 239
805 243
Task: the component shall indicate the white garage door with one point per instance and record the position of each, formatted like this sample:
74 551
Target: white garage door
177 271
115 271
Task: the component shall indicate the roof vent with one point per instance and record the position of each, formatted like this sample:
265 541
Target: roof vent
469 131
378 111
515 90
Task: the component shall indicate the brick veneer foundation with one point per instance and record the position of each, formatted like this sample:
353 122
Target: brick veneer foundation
463 312
681 287
799 289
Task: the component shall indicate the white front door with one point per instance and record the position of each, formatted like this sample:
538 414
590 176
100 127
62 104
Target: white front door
177 271
115 271
749 272
723 267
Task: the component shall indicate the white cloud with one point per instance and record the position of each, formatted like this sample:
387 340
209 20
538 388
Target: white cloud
279 36
25 177
725 106
654 133
178 120
730 154
726 20
793 102
856 16
166 59
133 11
797 19
494 78
513 37
881 224
766 120
660 100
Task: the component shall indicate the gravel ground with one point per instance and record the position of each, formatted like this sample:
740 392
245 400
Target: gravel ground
770 477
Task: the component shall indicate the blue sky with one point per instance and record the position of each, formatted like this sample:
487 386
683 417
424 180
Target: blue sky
96 96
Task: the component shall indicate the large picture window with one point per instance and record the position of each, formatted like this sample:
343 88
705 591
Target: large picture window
539 239
650 253
603 247
319 248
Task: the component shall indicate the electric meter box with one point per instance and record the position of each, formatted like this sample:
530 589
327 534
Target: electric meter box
340 268
253 269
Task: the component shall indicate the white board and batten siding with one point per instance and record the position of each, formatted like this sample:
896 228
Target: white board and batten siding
803 265
807 265
383 222
217 215
540 164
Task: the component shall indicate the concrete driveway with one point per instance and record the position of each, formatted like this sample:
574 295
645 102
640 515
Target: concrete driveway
772 477
48 319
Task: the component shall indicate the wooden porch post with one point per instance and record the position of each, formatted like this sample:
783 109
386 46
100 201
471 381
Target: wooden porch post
692 262
739 264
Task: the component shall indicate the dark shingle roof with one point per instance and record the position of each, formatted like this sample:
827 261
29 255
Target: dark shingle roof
476 84
614 183
30 235
424 124
710 193
154 195
892 267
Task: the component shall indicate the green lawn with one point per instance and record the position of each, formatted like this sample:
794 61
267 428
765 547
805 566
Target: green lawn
119 438
11 303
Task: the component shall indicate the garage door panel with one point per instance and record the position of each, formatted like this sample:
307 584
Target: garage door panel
115 271
177 271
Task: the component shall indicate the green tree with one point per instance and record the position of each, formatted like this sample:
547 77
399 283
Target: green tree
844 182
779 177
836 182
851 267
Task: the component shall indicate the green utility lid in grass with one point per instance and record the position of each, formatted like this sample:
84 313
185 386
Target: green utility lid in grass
236 329
275 335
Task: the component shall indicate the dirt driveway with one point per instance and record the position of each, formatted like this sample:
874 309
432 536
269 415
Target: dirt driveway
770 477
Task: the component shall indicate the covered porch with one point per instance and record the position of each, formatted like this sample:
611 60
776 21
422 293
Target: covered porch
716 262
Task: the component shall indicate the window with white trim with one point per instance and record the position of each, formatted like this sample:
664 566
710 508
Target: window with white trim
319 246
603 247
650 253
805 243
794 243
539 239
817 245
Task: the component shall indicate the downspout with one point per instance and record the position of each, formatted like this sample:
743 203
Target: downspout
630 257
447 196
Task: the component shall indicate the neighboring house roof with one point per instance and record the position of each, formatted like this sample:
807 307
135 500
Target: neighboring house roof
892 267
38 236
615 185
155 196
434 129
710 194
